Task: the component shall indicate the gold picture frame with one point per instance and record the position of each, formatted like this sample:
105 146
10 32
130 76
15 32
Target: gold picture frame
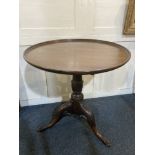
129 27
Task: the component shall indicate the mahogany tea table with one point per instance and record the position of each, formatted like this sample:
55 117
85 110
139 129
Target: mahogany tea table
77 57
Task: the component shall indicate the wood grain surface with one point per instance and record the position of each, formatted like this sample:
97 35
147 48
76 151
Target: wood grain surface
77 56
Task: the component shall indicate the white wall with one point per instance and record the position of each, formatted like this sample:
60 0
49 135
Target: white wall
42 20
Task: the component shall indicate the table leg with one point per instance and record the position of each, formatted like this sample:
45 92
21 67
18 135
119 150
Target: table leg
57 115
91 121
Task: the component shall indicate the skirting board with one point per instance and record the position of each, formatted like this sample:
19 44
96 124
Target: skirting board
47 100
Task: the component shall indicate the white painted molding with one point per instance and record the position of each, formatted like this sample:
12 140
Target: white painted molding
30 40
113 93
46 100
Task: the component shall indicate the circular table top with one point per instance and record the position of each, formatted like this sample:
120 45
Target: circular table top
77 56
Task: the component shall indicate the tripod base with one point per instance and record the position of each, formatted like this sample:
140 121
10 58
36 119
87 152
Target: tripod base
74 107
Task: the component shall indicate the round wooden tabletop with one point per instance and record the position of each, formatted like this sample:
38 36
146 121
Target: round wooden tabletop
77 56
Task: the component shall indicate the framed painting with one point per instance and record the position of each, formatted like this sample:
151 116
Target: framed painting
129 27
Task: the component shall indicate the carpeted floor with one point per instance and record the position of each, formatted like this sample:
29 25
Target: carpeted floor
115 117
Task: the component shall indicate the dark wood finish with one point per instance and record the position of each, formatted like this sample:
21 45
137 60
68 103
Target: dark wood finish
77 56
74 107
